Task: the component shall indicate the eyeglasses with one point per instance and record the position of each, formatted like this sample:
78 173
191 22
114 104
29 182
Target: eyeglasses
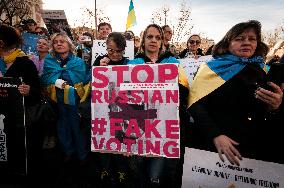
194 42
150 37
109 50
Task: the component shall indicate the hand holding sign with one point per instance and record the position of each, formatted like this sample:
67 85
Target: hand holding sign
104 61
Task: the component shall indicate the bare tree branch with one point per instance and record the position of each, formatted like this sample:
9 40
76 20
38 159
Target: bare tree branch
182 27
13 10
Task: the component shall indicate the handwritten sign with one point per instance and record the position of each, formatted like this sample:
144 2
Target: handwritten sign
203 169
191 66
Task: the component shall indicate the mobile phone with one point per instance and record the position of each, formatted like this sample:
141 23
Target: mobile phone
276 73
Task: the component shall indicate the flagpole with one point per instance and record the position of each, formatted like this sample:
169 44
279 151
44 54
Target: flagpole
96 24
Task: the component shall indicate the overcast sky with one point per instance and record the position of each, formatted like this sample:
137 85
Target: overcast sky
211 18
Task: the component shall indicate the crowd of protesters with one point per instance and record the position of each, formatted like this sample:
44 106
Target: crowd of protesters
237 115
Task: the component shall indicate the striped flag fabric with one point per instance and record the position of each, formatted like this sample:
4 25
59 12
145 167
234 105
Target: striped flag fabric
131 18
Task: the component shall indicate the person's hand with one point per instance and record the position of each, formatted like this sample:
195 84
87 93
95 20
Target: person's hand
225 145
24 89
272 98
104 61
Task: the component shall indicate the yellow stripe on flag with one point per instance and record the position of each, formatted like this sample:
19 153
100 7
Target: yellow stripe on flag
203 84
131 18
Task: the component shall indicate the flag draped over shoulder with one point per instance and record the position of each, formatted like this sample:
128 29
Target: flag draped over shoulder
216 72
131 18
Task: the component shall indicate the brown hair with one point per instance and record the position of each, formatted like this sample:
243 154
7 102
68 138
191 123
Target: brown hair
222 47
104 24
10 37
144 36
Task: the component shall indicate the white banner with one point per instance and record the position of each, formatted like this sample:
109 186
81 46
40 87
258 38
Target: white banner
99 49
191 66
203 169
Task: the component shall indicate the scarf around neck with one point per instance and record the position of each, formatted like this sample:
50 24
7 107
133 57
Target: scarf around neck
12 56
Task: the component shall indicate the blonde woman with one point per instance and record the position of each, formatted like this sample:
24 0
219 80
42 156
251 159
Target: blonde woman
64 76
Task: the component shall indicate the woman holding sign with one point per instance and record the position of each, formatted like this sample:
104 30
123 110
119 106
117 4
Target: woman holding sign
112 168
160 171
231 98
115 49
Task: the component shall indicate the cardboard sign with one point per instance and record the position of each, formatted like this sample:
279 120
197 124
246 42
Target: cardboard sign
135 110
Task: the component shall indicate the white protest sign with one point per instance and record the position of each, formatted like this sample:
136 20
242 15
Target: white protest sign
99 49
204 169
191 65
135 110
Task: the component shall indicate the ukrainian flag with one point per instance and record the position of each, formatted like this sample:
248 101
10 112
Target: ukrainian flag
216 72
131 18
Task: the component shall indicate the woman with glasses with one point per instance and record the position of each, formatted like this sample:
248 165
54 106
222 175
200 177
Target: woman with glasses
112 167
193 49
115 49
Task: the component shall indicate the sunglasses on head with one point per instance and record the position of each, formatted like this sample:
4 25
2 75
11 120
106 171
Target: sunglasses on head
194 42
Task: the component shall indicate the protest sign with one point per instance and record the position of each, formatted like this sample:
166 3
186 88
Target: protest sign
204 169
99 49
12 127
135 110
29 43
191 65
56 22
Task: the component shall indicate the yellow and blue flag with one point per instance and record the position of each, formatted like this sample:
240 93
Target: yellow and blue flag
131 18
216 72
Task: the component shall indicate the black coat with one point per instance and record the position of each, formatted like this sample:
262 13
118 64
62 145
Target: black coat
25 68
233 110
123 61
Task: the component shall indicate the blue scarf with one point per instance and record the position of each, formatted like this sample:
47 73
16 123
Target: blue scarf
228 65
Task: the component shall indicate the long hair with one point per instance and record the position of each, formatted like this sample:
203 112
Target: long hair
222 47
66 39
142 46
